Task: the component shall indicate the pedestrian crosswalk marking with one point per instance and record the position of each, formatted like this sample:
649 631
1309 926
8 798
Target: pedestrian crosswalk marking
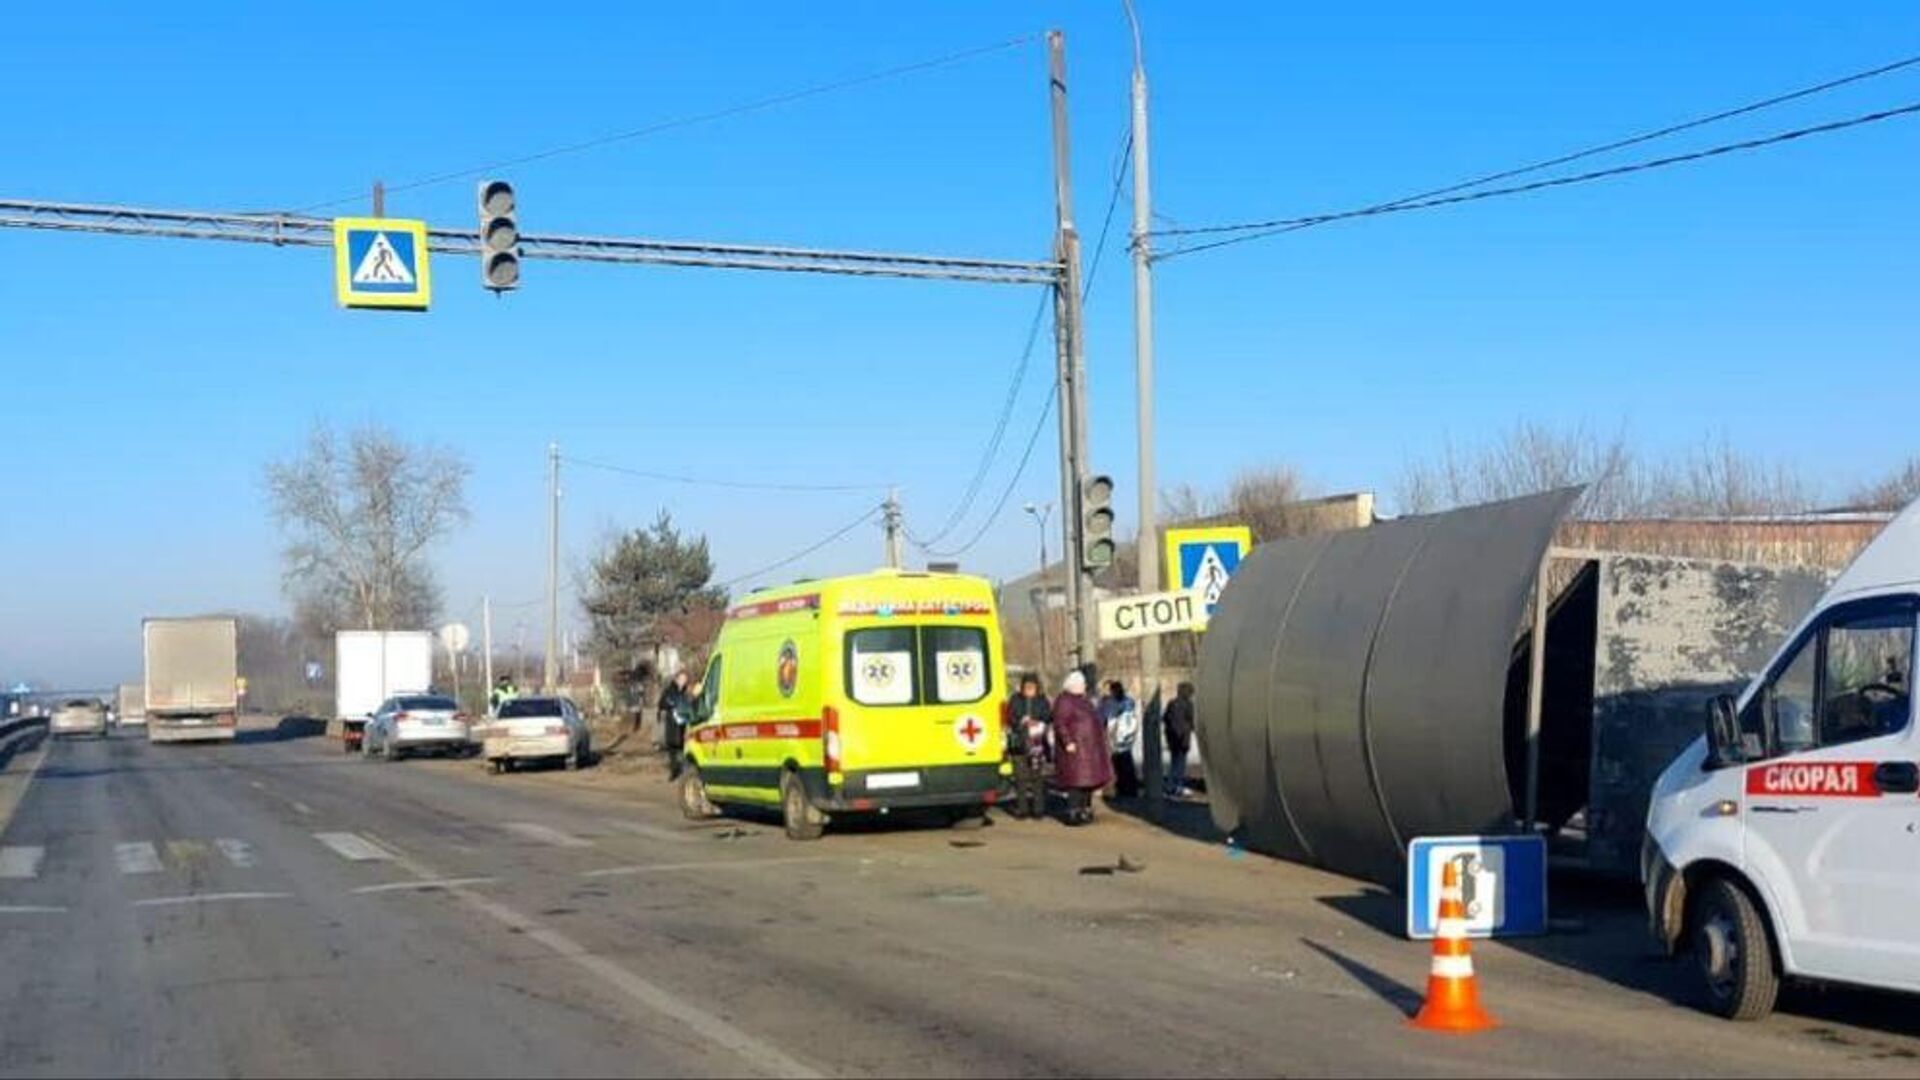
541 834
186 851
237 852
353 847
137 858
21 862
382 265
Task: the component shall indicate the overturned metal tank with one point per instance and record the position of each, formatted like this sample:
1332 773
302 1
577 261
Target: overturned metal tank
1352 685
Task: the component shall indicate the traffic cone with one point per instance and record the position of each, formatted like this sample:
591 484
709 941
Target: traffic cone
1453 993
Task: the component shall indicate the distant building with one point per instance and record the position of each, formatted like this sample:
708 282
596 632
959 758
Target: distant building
1826 539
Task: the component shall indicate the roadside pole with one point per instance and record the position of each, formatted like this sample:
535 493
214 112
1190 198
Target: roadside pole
1070 368
551 672
1147 550
486 648
890 515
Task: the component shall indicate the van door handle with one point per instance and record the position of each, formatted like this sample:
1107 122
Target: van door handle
1897 777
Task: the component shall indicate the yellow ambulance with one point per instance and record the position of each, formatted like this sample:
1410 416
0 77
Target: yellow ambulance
850 696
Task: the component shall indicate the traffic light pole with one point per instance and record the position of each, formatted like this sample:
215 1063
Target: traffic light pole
1070 371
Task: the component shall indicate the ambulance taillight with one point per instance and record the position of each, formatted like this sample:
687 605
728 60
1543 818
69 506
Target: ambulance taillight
830 742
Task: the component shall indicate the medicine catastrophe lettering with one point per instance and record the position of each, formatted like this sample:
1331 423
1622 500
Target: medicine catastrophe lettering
1831 779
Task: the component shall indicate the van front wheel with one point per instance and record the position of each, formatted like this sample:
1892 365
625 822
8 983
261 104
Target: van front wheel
694 804
803 822
1733 953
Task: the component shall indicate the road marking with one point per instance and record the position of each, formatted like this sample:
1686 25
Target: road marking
432 883
352 847
540 834
21 862
187 851
31 909
654 832
762 1056
256 785
715 864
140 858
302 808
237 852
209 898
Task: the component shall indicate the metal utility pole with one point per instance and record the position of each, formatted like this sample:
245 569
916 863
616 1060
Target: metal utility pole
1146 553
1071 365
486 645
552 670
1039 511
891 519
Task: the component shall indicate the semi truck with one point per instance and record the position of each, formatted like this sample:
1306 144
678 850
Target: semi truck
192 678
371 666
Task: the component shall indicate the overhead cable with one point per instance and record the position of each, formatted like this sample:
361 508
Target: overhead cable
1293 224
1564 159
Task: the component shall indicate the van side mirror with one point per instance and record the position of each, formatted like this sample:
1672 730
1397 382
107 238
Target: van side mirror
1724 746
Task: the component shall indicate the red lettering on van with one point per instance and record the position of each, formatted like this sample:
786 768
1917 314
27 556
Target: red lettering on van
1828 779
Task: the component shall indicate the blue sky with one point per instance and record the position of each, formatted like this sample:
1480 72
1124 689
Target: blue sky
1767 296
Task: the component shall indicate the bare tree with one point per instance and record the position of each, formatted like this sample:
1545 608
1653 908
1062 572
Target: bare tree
1264 498
1893 491
1712 480
362 513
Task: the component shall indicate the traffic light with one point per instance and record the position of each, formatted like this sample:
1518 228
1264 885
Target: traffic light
1096 522
499 236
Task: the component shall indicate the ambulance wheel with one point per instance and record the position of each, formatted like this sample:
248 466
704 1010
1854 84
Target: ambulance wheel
803 822
694 804
1733 953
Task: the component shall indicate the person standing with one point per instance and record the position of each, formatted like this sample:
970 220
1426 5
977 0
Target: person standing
1178 722
503 692
675 710
1120 715
1029 723
1082 765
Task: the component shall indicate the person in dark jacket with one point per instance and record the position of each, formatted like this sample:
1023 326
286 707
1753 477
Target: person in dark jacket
1082 765
1178 722
1029 724
674 711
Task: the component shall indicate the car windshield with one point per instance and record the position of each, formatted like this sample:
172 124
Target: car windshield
530 707
79 704
428 704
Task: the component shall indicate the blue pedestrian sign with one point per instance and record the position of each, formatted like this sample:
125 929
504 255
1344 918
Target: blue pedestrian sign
1202 560
381 263
1504 878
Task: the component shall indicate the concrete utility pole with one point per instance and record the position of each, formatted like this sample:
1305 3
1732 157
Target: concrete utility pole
486 645
1071 366
891 520
552 670
1147 548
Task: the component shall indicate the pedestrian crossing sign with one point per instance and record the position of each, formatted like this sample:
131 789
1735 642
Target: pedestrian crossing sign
1202 560
381 263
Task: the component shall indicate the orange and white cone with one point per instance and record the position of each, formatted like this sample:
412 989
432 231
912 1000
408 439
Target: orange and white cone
1453 993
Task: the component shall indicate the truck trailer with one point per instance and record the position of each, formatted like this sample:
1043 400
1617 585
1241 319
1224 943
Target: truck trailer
192 678
371 666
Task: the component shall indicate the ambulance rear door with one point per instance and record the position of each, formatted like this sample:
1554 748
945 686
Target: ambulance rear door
1832 815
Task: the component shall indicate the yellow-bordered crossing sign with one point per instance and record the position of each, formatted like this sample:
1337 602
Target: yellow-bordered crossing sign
381 263
1201 560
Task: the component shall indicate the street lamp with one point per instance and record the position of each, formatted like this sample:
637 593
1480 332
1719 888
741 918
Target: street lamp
1039 512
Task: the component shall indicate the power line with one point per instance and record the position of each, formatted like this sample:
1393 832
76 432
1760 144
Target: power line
656 128
870 513
1293 224
698 481
1046 411
1621 144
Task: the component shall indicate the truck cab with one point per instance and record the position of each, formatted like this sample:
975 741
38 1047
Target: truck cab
1785 842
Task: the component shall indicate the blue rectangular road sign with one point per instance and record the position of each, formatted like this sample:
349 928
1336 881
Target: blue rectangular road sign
1504 878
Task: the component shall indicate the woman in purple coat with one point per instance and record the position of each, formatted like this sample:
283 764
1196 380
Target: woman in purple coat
1082 765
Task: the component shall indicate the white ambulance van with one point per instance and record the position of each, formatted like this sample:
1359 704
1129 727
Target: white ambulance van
1785 843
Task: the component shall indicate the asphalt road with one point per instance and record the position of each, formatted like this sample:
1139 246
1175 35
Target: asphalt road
275 908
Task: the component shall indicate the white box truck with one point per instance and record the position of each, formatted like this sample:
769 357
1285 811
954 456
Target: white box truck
1782 843
192 679
370 666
